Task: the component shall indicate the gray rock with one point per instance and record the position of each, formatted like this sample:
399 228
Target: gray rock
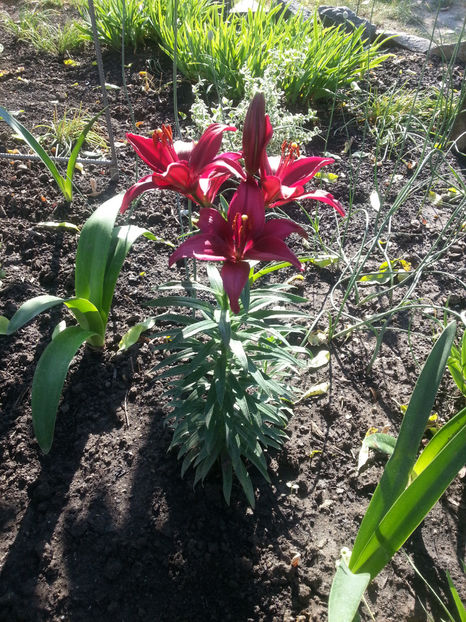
342 15
405 41
450 50
294 7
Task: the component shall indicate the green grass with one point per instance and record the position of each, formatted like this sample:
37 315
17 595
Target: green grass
314 62
63 131
45 31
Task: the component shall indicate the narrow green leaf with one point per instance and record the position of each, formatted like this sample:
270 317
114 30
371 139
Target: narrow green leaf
59 225
199 327
74 156
346 593
30 309
456 598
227 476
35 146
4 322
48 381
93 249
238 351
150 236
245 480
180 301
381 442
397 470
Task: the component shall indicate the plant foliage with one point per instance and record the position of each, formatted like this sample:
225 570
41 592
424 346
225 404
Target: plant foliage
230 375
408 489
102 249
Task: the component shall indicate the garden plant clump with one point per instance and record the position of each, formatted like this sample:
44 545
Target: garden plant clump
293 328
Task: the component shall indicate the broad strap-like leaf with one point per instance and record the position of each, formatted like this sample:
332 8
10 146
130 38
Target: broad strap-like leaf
48 381
93 251
4 323
30 309
87 315
74 156
35 146
346 593
122 240
398 468
412 506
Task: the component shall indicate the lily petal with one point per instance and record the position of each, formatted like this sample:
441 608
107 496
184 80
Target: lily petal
257 132
235 277
145 183
275 193
281 228
158 157
176 177
212 222
325 197
303 170
271 248
208 145
203 246
248 201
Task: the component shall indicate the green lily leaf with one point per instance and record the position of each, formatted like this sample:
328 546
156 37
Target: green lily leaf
48 381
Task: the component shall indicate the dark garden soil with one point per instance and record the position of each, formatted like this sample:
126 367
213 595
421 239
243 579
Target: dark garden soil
103 527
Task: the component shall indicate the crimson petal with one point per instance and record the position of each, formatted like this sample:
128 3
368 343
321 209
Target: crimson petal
302 170
325 197
281 228
257 132
203 246
248 201
212 222
235 277
271 248
145 183
208 145
158 158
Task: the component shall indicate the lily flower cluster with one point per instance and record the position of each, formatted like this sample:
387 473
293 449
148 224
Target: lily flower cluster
197 171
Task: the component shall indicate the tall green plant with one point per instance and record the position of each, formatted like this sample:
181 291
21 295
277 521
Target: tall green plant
102 249
408 489
230 374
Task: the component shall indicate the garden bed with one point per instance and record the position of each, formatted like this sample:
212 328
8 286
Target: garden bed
103 527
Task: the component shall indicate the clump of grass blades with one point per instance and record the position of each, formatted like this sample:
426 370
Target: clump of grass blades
62 132
213 45
109 20
44 32
389 115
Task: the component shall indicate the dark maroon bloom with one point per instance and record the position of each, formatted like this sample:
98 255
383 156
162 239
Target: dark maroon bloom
243 235
192 169
283 178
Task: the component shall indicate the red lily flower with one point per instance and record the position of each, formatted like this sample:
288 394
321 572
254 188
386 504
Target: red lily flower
283 178
243 235
257 132
193 169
